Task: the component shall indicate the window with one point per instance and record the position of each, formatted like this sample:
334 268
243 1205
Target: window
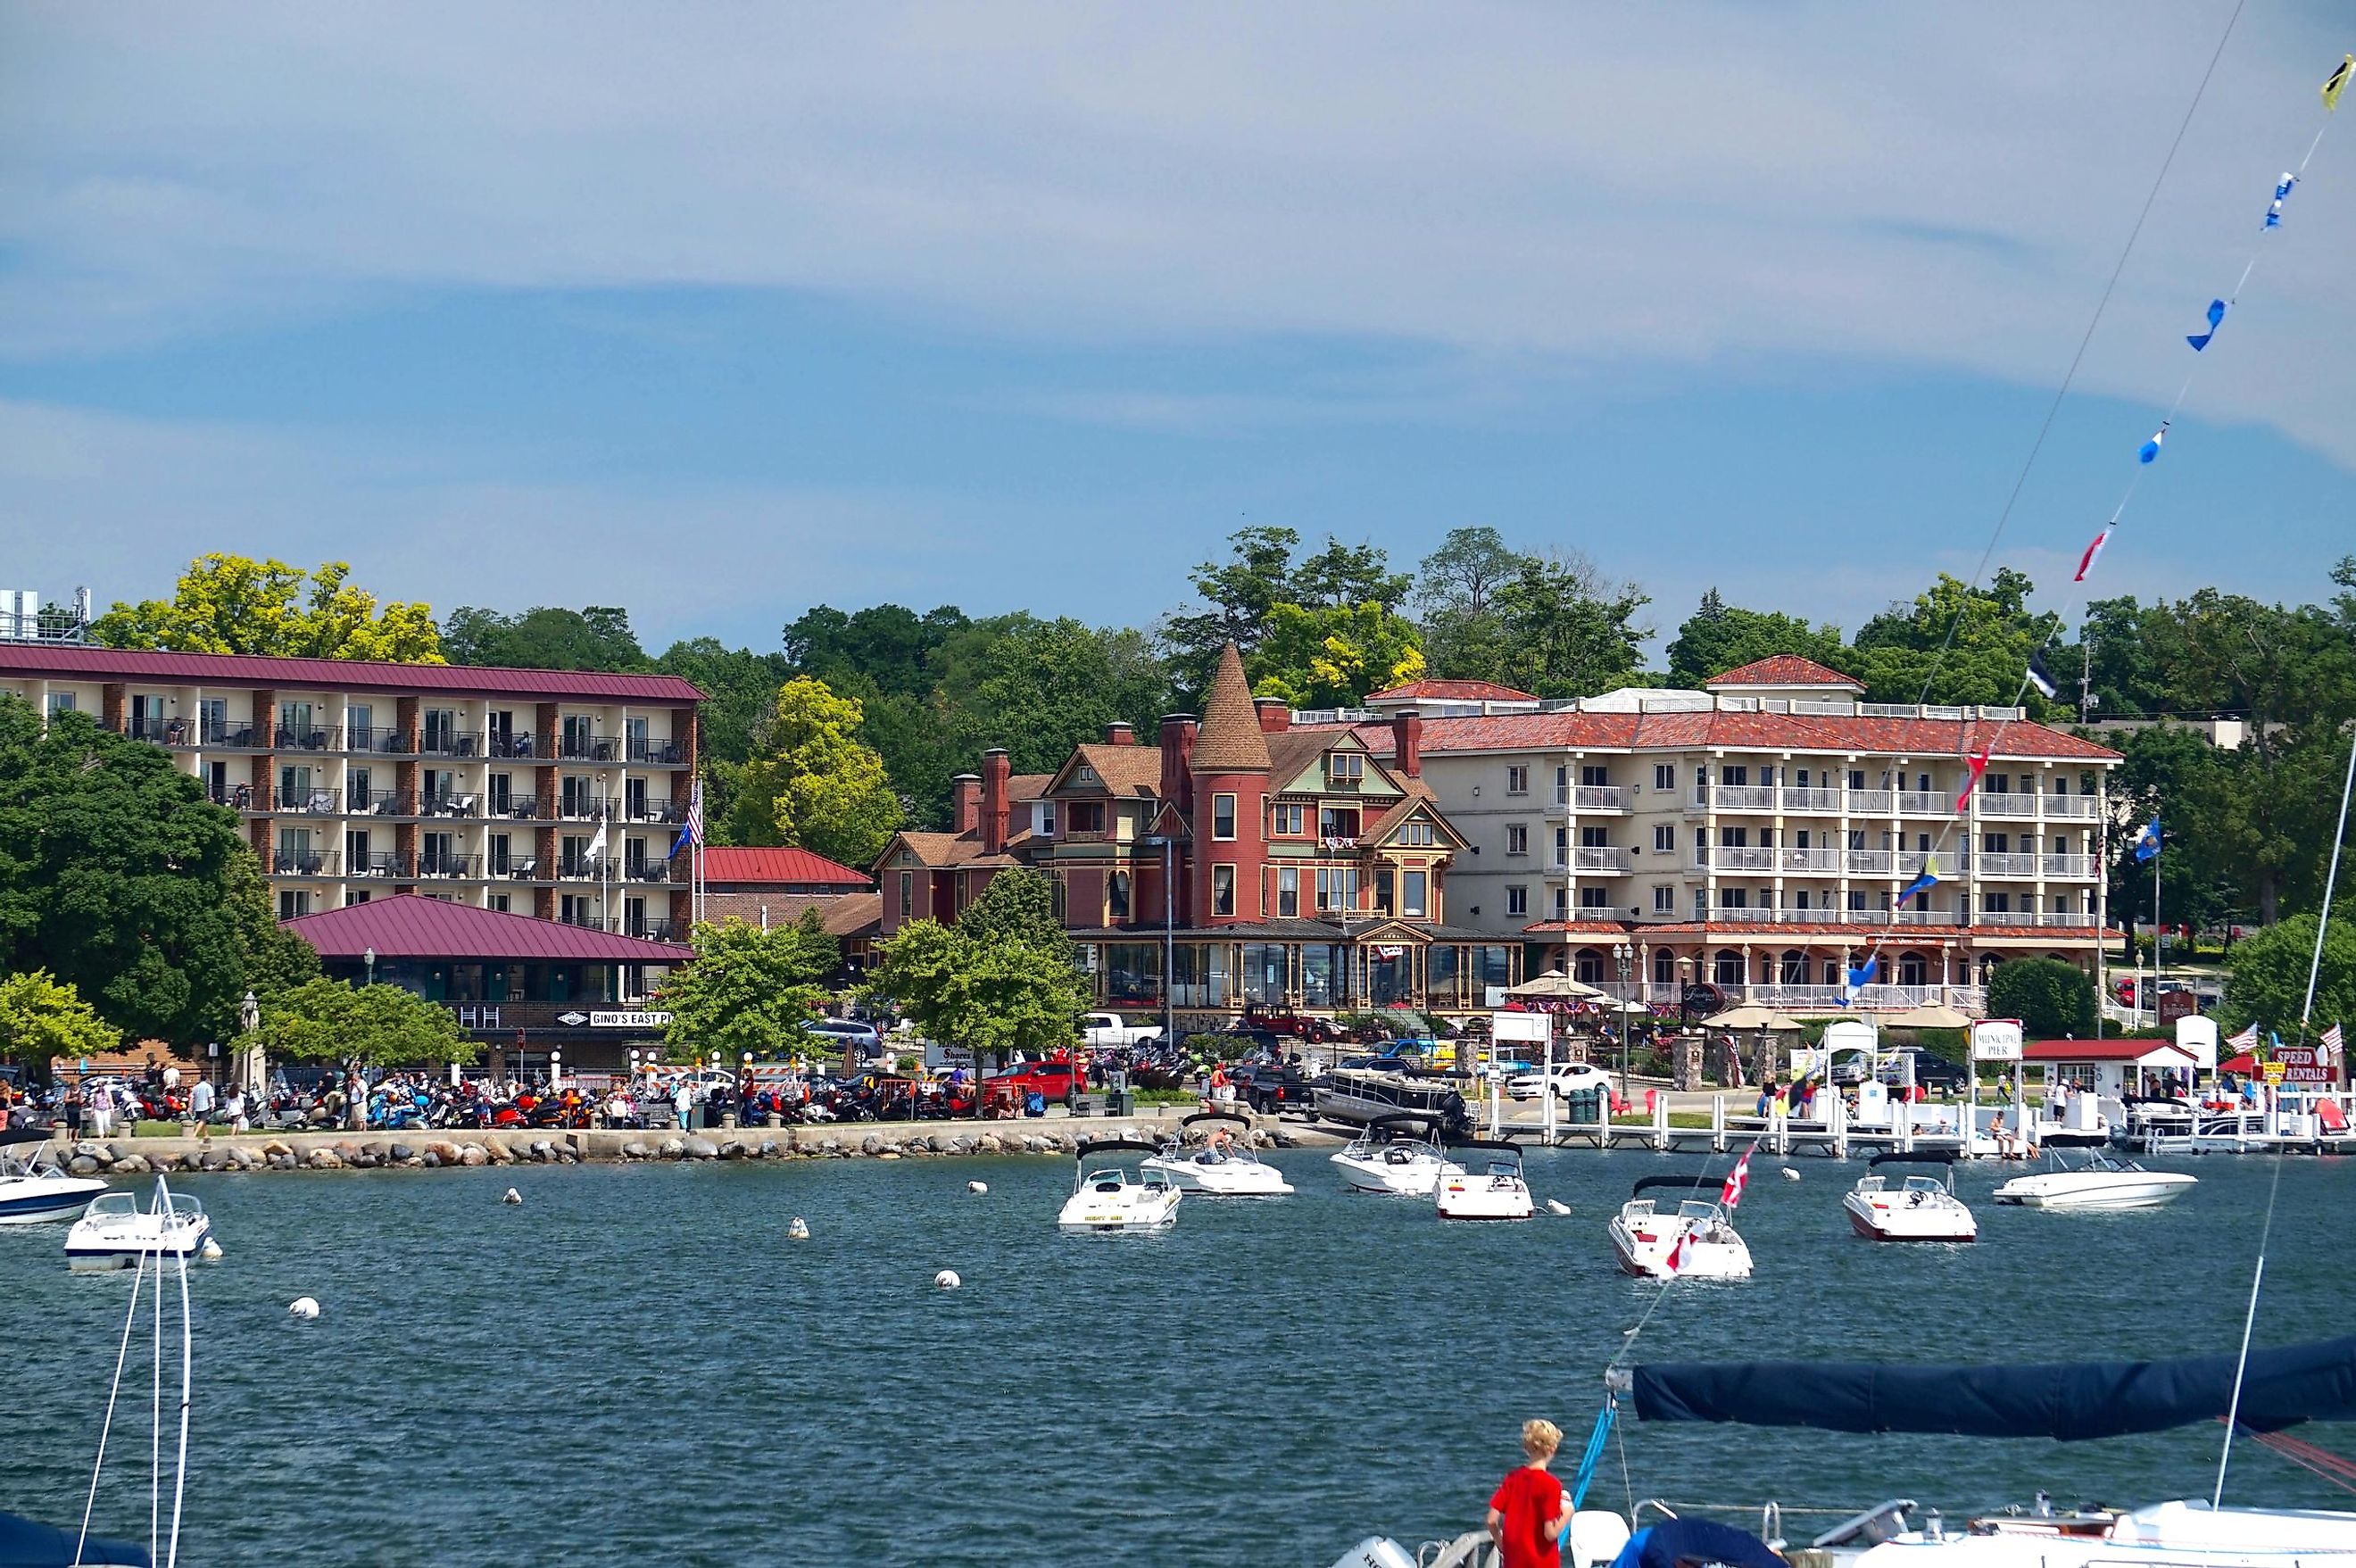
1594 897
293 903
1222 890
502 851
1518 780
1517 900
1085 817
1084 774
1517 838
907 896
1417 834
1223 816
1734 897
1996 903
1562 903
1733 838
1345 770
1338 823
1414 888
1288 821
1288 892
1664 776
496 901
1047 820
1999 784
442 729
1665 838
1800 899
62 702
1857 900
1117 896
573 909
1594 838
1337 887
1595 775
1994 843
1857 778
1665 967
1729 774
1664 900
1384 878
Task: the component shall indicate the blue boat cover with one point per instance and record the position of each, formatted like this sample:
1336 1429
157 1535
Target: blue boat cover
24 1544
1675 1542
2069 1400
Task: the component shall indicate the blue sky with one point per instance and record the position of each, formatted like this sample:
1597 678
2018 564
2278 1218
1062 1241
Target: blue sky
1015 306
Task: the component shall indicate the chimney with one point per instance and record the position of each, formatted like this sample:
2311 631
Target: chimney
994 773
1275 715
1118 733
1407 742
1177 756
965 804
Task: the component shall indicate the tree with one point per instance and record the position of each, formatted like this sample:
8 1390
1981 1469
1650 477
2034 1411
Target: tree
1564 630
2050 998
1018 906
546 638
362 1026
1000 980
812 784
119 878
748 990
1240 595
40 1019
739 686
1038 687
1719 636
232 604
2266 982
1332 658
1954 644
1458 579
890 645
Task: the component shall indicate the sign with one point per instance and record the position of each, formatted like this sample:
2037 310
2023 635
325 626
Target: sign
622 1020
2274 1071
1996 1040
1388 951
2175 1005
2297 1064
2198 1036
573 1020
1535 1028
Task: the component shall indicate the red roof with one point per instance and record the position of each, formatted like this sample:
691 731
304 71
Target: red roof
1784 670
1455 691
777 865
2098 1050
1918 738
73 660
409 926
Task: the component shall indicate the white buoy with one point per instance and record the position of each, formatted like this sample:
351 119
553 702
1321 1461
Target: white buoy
211 1252
948 1280
799 1229
1557 1206
511 1196
304 1307
977 1187
1791 1175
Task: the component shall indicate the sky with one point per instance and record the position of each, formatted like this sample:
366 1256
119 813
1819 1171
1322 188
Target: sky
717 312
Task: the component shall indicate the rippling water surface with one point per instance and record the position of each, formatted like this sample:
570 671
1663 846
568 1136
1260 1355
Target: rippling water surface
638 1366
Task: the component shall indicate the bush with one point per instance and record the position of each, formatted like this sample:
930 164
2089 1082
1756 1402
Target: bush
2050 998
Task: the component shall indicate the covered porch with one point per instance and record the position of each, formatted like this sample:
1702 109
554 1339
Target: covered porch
1301 967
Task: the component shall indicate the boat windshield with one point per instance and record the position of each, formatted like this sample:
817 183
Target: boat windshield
1690 1210
113 1203
1924 1183
1504 1167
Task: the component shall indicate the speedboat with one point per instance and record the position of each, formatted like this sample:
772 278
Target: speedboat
114 1233
1107 1197
33 1190
1644 1236
1224 1166
2101 1182
1921 1208
1496 1191
1391 1158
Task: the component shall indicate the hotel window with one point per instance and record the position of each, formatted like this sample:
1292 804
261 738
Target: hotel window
1562 903
1289 821
1346 769
572 857
1857 778
442 729
1664 776
1728 773
1517 780
1733 838
1288 892
1595 776
1857 900
496 901
1594 838
1664 900
1517 838
1222 890
1996 903
292 903
907 895
1117 896
1594 897
1665 838
1384 876
362 895
1800 899
1734 897
1223 816
62 702
501 850
1517 900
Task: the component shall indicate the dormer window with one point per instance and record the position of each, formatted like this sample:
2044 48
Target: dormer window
1084 774
1346 770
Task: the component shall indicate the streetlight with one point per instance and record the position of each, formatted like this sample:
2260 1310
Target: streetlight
1624 961
555 1066
368 958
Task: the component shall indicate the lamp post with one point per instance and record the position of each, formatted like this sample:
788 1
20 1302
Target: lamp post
1624 961
555 1066
248 1020
368 958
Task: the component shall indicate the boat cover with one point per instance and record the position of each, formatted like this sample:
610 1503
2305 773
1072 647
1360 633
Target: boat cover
24 1544
2068 1401
1674 1543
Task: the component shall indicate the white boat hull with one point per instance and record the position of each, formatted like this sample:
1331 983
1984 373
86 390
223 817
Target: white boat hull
1230 1177
1132 1208
46 1200
1471 1197
2164 1535
114 1242
1414 1178
1644 1251
2095 1189
1889 1217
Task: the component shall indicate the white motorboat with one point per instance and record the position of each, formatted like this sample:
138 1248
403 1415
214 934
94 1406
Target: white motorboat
1644 1236
2099 1182
114 1233
1223 1167
1920 1209
1392 1158
33 1189
2182 1534
1496 1191
1107 1197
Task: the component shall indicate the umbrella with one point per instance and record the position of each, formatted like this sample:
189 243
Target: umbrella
1930 1016
1553 982
1751 1015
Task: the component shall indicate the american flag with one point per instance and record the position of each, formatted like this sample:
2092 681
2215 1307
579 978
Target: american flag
692 831
2246 1040
2331 1043
1737 1180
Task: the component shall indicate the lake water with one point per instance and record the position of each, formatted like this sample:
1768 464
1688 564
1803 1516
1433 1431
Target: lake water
638 1366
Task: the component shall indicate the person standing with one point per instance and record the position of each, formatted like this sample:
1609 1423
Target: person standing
72 1113
101 1111
1528 1510
201 1100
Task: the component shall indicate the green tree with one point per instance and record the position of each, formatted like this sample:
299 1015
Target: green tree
1000 980
40 1019
1239 595
748 989
1038 687
888 645
2266 982
232 604
1328 658
740 691
1719 636
1460 577
2050 998
1954 644
1018 906
812 784
362 1026
119 878
546 638
1565 631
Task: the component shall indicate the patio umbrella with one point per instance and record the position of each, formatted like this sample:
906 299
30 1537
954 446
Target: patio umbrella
1553 982
1751 1015
1929 1016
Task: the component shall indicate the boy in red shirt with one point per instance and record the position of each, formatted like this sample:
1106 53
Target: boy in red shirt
1527 1514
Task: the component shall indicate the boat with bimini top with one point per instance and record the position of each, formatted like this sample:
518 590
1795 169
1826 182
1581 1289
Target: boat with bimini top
1223 1167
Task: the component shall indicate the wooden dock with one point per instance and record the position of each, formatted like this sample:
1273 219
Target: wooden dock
1834 1134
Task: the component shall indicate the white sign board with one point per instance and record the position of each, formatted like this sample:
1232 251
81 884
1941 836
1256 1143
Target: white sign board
2198 1036
1495 996
1535 1028
627 1020
1996 1040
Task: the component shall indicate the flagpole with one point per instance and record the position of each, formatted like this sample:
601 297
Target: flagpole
2323 916
2156 937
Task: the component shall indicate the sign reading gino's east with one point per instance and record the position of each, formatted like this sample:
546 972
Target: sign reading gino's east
628 1020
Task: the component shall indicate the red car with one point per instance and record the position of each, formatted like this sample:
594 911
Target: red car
1049 1080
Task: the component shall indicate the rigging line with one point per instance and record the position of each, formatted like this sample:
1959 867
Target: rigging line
122 1354
188 1368
2331 881
156 1422
2054 409
2249 1321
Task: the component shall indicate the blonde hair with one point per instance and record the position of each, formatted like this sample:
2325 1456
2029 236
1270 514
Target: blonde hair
1540 1438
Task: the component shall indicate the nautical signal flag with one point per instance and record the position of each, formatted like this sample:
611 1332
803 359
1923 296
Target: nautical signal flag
2039 676
2086 562
1860 977
1738 1179
2338 83
1682 1254
2200 341
2150 449
1975 765
2282 194
1928 880
2147 839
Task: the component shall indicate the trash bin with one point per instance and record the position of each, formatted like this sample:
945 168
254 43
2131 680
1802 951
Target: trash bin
1582 1107
1120 1102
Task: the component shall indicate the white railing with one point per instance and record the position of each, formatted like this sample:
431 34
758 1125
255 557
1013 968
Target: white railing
1736 857
1743 797
1919 804
2064 920
1819 802
1597 857
1951 863
1599 797
1869 802
2069 866
1996 805
1911 917
1869 861
1823 861
1746 916
2001 865
2081 808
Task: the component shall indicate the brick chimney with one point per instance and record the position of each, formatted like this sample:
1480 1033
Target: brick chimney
1275 715
965 804
1177 754
1118 733
1407 742
995 772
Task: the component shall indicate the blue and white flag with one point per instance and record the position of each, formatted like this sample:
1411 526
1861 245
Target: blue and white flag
2151 448
2147 839
2282 194
1859 978
2039 676
2200 341
691 830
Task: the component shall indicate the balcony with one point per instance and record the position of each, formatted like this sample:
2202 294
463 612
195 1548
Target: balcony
2073 808
1999 863
1738 857
451 743
2070 866
576 806
1925 803
313 802
1869 802
1743 797
380 740
514 807
449 805
1910 917
588 748
654 810
2058 920
656 871
381 804
1996 805
381 864
516 868
1597 797
308 737
665 752
1598 857
303 862
1807 862
1811 802
1870 862
650 930
240 738
508 744
1951 862
448 866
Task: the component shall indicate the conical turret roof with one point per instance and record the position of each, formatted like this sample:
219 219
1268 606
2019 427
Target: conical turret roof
1231 741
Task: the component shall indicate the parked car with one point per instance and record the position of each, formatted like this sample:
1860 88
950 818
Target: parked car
1270 1087
1566 1080
1106 1031
1929 1071
1049 1080
844 1035
1310 1030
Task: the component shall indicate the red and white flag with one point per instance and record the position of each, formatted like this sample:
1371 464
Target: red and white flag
2093 553
1737 1180
2246 1040
2331 1044
1975 765
1681 1256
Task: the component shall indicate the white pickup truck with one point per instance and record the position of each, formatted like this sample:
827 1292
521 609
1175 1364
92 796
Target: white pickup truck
1102 1030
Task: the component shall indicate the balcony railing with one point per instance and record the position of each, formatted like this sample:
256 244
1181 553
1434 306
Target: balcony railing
1994 805
309 737
2062 919
582 808
588 747
242 737
2073 808
1951 861
1870 862
1869 802
1743 797
1817 802
649 930
1925 803
1597 857
1737 857
654 810
447 866
515 808
1913 917
451 743
657 751
381 804
1599 797
382 740
313 802
508 744
2069 866
449 805
304 862
2000 863
1817 862
518 867
651 870
381 862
